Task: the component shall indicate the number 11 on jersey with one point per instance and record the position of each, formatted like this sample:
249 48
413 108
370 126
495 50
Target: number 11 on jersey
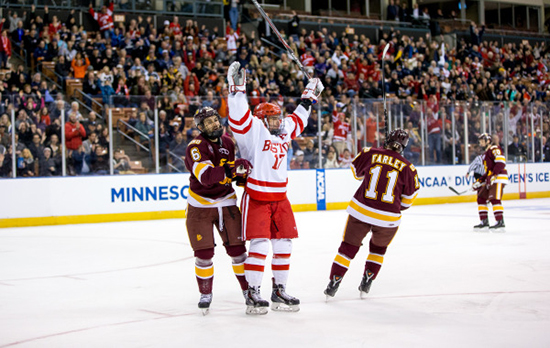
388 195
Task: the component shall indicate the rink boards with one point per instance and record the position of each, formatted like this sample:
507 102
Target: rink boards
70 200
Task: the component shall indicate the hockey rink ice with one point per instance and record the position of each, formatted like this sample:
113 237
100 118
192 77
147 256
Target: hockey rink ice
132 284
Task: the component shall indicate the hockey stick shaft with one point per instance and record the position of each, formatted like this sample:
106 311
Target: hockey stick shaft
276 31
459 193
384 90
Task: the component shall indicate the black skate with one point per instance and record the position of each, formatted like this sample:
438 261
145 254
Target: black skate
499 227
204 303
483 226
332 287
281 301
254 303
366 282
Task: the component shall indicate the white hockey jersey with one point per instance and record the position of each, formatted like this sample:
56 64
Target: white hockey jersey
266 152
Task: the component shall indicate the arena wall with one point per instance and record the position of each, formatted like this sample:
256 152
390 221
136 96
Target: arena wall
72 200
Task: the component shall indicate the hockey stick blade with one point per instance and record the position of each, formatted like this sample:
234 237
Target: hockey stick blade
455 191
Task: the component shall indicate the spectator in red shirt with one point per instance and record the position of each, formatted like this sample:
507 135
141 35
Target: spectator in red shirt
5 49
434 136
341 127
74 132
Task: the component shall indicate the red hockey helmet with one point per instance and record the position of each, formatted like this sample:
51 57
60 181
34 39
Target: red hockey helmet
397 140
272 116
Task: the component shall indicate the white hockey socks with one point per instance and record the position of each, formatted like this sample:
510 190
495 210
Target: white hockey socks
280 264
255 263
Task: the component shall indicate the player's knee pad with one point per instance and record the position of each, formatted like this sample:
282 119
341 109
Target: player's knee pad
203 262
235 250
496 202
205 254
282 246
348 250
260 246
375 249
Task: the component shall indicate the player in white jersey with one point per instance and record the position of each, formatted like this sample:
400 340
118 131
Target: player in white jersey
264 138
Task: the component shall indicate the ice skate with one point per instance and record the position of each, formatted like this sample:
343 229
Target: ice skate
281 301
366 282
499 227
483 226
332 286
254 303
204 303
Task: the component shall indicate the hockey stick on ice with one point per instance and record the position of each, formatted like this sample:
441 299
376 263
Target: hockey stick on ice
288 49
460 193
384 91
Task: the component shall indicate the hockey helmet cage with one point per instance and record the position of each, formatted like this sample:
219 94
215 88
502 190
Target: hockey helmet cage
201 115
266 111
397 140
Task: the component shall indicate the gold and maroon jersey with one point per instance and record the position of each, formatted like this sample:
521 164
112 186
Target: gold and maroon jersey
209 186
495 165
390 184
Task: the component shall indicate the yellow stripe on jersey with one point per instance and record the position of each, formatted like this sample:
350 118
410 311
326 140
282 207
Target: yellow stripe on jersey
341 260
375 213
205 201
199 168
354 173
376 258
500 159
408 200
239 269
204 272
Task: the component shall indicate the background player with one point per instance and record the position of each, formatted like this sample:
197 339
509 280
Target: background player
264 139
212 201
390 184
492 183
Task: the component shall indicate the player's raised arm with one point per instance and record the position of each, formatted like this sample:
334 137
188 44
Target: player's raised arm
239 115
299 117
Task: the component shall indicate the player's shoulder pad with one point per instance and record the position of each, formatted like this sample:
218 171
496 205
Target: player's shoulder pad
195 142
366 149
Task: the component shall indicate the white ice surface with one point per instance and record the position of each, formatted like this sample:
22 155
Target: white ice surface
132 284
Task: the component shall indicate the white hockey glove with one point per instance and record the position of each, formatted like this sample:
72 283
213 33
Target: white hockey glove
236 77
313 90
477 185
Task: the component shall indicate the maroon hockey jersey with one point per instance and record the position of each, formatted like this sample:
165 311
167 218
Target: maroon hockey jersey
209 187
495 165
390 184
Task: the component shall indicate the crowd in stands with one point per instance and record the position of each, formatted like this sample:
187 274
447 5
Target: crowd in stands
180 66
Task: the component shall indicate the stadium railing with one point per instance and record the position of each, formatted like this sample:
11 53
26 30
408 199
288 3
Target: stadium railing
460 123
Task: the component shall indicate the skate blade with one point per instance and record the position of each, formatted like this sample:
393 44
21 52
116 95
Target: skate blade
251 310
281 307
363 294
498 230
205 311
482 230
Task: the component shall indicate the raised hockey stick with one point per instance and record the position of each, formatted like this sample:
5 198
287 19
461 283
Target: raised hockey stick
288 49
384 91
